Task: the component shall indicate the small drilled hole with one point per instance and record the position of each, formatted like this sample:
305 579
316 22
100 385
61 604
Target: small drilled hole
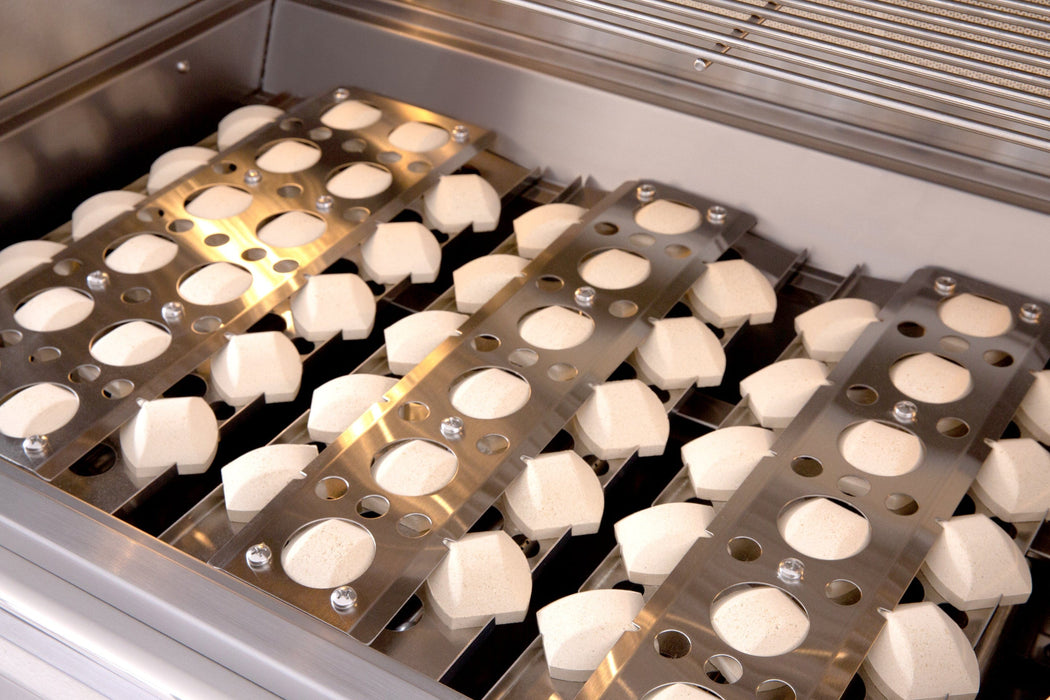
46 354
388 157
562 372
136 295
253 254
998 358
413 411
149 214
953 427
723 669
320 133
354 145
85 374
286 266
623 308
485 343
550 283
356 215
492 444
862 395
529 548
207 324
216 239
224 167
117 389
419 166
677 251
291 124
180 226
672 644
10 338
331 488
842 592
599 466
98 460
744 549
523 357
414 525
373 506
911 329
807 466
67 267
854 486
606 228
901 504
289 191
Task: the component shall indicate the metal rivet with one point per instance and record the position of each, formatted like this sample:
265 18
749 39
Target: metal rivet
791 570
35 445
585 296
341 94
452 427
252 176
905 411
98 280
1031 313
344 598
944 285
645 193
183 66
325 202
258 555
717 214
173 311
460 133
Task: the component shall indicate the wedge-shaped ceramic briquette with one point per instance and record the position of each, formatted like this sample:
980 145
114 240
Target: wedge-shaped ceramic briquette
351 114
131 343
418 137
823 529
555 328
653 540
973 315
719 461
174 164
142 253
102 208
360 181
339 402
216 283
19 258
399 250
242 121
621 418
479 280
329 553
37 410
679 352
331 304
556 491
730 292
415 468
930 378
538 228
1014 481
254 364
458 201
829 330
759 620
253 479
777 393
490 393
880 449
412 338
667 217
580 629
165 432
1033 415
54 309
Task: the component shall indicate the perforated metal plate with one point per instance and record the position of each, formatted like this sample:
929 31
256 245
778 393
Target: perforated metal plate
901 510
107 395
489 451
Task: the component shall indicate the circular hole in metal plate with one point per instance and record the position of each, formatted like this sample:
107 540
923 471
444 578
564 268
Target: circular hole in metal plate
677 251
413 411
522 357
331 488
180 226
356 215
354 145
328 553
931 378
555 327
373 506
9 338
388 157
998 358
414 467
489 393
419 166
216 239
953 343
485 342
723 669
492 444
855 486
253 254
285 266
623 308
291 124
118 388
600 467
901 504
84 374
759 619
842 592
744 549
414 525
549 283
320 133
529 548
562 372
774 689
136 295
862 395
641 240
881 448
45 354
224 167
910 329
289 191
207 324
672 644
614 268
807 466
65 268
952 427
824 528
149 214
606 228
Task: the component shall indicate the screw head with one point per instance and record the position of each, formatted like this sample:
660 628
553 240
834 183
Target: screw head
252 177
944 285
341 94
183 66
791 570
1031 313
173 311
98 280
585 296
35 445
645 193
717 214
325 202
258 555
905 412
460 133
452 427
344 598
